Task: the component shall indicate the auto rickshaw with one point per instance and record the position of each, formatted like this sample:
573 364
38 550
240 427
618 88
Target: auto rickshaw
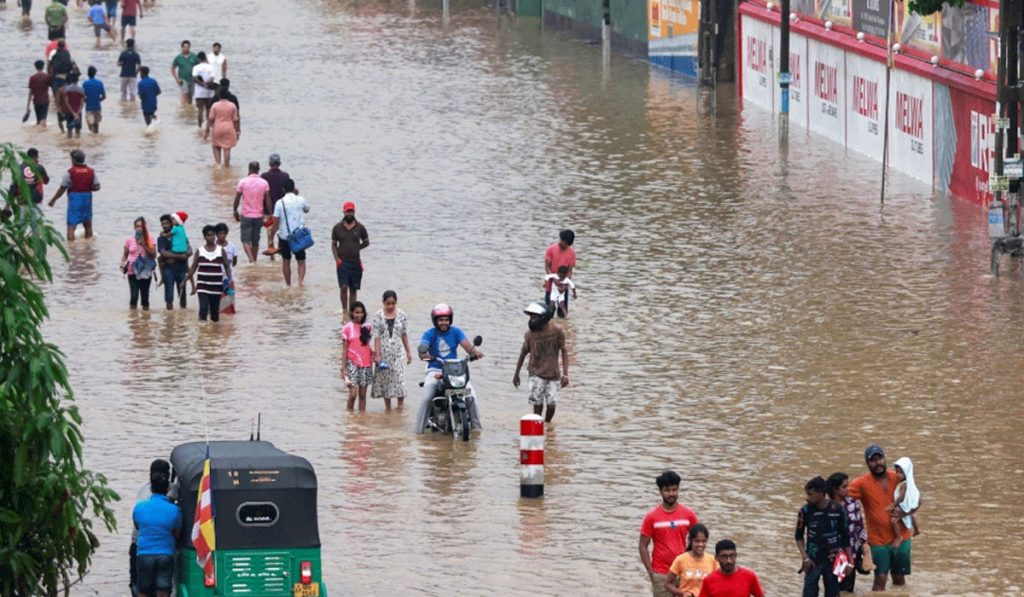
265 520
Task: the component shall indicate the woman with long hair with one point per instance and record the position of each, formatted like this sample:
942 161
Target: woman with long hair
138 262
391 351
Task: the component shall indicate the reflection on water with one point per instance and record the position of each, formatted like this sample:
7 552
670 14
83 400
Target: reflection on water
748 317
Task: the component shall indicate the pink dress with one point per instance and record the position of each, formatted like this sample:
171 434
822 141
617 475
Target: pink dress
223 116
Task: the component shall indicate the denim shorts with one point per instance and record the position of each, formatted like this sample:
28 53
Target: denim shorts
154 574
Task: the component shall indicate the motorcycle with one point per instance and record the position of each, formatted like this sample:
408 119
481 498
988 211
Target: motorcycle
449 410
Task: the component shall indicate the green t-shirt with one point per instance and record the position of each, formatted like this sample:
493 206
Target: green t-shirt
56 14
185 64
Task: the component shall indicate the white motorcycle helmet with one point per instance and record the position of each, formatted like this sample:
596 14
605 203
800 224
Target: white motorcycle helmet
542 311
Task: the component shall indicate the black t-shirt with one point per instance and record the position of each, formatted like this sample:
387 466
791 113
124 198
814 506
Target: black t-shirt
178 266
827 530
350 241
130 61
275 177
61 62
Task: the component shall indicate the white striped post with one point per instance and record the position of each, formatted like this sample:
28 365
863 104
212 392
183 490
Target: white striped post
531 456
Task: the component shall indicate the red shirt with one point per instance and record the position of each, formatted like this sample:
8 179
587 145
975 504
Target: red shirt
741 583
130 8
39 83
558 257
667 531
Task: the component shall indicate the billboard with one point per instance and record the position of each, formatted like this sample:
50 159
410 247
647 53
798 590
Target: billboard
963 131
910 125
865 96
798 89
826 69
758 63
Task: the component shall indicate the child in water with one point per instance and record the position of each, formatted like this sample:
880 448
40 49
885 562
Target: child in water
179 238
688 570
556 289
357 357
906 498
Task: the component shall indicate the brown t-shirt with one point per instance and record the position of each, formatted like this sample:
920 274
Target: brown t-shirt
39 83
349 240
543 347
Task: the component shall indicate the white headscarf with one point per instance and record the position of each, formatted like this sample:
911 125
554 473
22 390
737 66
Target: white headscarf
912 497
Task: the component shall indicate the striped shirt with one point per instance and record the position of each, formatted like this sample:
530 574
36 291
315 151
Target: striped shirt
210 273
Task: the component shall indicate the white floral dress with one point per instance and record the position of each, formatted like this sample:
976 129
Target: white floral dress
390 382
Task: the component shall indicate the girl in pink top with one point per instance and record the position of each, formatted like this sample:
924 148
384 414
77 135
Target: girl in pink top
357 357
135 246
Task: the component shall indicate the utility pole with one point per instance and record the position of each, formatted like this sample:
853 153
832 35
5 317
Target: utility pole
785 77
606 31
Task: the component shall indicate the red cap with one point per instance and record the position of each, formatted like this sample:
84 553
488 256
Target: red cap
349 206
181 217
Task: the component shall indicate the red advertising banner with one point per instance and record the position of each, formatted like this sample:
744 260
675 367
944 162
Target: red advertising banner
972 119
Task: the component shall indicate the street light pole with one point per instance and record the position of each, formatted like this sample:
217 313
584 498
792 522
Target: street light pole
785 77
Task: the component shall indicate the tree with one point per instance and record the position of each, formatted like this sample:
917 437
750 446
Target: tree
47 498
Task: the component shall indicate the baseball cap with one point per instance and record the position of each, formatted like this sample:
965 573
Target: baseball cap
872 451
275 158
349 206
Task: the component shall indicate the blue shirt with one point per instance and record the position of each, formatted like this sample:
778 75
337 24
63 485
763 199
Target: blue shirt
148 90
93 90
130 61
157 519
442 346
97 14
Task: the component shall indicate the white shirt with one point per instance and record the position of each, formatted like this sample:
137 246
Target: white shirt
217 60
204 71
295 206
559 297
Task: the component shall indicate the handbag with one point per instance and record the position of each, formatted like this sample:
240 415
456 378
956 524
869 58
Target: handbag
143 267
299 239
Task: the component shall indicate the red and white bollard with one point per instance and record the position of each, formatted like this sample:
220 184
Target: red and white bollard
531 456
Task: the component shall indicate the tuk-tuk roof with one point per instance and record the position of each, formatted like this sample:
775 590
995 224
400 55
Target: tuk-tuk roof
292 472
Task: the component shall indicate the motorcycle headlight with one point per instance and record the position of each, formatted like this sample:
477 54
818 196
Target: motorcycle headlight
457 381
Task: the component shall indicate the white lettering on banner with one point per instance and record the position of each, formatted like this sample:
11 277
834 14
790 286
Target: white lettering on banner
826 82
874 5
910 116
981 124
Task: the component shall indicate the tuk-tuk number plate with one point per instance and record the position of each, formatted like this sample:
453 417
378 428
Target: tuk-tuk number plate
310 590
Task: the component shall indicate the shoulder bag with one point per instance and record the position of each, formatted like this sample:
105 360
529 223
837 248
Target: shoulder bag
299 239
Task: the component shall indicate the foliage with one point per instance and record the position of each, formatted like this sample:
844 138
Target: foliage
47 500
927 7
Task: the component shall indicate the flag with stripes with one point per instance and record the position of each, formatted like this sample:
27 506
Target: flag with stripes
202 528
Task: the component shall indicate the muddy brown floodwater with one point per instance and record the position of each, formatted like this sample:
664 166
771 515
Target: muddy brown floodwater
746 316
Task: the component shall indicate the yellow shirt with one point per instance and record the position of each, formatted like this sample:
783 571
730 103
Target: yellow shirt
691 571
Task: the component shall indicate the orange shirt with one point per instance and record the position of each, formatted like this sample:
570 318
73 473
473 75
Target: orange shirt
876 501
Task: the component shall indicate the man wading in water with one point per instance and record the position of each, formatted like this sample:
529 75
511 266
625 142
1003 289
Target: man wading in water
667 526
543 343
874 489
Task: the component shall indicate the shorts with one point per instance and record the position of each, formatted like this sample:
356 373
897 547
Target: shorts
72 123
55 33
250 228
349 275
93 118
41 111
111 9
359 376
58 82
154 574
127 20
97 28
658 585
892 560
187 87
285 250
79 208
543 391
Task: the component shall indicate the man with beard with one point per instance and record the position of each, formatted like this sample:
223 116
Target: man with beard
347 239
442 342
173 266
875 490
730 580
543 343
666 525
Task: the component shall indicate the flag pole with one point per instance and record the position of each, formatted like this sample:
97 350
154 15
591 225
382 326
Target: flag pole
888 76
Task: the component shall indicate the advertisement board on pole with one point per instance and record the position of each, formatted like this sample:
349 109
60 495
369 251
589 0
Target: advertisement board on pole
910 125
798 88
758 63
865 97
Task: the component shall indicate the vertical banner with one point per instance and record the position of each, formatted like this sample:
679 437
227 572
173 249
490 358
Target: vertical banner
798 89
826 68
910 125
963 130
758 63
865 98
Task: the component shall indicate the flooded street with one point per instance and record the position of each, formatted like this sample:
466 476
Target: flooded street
747 317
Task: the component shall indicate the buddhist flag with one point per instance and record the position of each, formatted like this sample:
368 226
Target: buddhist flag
202 529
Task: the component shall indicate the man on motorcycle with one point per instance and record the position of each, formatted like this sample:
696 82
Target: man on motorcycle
442 342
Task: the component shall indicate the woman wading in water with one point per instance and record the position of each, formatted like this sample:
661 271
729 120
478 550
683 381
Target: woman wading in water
390 340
